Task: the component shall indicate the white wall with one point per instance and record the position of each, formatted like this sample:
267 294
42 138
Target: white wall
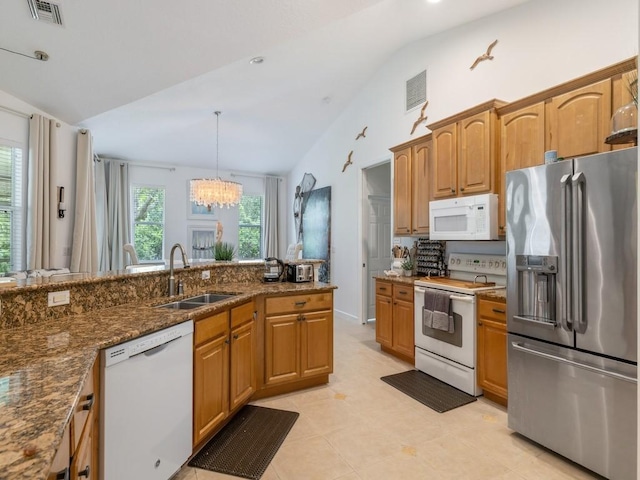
541 43
176 198
64 175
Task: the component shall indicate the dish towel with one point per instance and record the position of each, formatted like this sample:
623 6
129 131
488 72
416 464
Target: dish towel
436 313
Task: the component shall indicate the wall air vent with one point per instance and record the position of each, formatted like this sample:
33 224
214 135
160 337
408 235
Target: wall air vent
45 11
416 93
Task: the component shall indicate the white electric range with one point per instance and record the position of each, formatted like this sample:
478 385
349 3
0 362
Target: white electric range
451 357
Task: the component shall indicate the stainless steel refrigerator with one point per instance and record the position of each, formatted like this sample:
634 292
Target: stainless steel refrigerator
572 309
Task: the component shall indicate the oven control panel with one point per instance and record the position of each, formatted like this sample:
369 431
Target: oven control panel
478 263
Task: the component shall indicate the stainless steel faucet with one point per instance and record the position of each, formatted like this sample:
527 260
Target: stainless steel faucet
185 262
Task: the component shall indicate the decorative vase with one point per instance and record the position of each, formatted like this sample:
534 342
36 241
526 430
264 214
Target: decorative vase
625 118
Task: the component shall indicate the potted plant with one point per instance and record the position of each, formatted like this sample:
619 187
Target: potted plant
407 267
224 251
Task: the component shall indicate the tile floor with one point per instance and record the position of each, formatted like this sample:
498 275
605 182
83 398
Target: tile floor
358 427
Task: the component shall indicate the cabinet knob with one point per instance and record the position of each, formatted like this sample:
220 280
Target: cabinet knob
453 190
235 337
479 324
227 341
85 473
462 189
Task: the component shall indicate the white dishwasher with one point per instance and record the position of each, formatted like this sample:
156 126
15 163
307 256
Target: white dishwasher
146 413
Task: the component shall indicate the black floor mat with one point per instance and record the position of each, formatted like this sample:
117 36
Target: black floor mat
429 391
247 444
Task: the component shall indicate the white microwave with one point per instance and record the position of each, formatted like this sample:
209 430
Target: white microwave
464 218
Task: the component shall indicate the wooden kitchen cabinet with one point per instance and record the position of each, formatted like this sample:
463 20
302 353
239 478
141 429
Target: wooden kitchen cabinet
521 145
579 121
210 374
384 313
298 337
465 152
394 319
242 360
77 454
411 186
492 349
223 367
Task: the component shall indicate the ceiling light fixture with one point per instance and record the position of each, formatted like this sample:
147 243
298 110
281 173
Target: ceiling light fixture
37 55
215 192
256 60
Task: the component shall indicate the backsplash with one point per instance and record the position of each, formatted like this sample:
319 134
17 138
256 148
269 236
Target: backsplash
27 303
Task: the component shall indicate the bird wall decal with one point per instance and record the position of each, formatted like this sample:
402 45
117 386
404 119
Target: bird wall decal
362 133
348 162
421 119
485 56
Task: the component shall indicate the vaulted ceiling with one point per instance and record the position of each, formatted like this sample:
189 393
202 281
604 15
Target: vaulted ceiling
146 76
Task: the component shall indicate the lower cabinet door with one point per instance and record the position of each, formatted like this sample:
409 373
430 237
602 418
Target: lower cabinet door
384 320
282 349
492 357
210 387
403 328
82 467
316 343
243 379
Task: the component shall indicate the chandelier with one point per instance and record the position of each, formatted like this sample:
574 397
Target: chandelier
215 192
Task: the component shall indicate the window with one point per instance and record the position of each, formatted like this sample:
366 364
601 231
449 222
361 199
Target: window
148 222
250 228
11 213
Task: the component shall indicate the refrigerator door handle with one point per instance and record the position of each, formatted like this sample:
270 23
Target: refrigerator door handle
619 376
566 319
577 294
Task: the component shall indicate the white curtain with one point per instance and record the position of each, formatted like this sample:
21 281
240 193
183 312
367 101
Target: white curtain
84 249
271 216
114 225
41 196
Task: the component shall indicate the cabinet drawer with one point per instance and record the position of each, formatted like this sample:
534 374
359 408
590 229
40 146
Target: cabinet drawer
241 314
403 292
492 310
383 288
211 327
299 303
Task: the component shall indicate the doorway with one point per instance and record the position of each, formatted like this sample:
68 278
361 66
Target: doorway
376 221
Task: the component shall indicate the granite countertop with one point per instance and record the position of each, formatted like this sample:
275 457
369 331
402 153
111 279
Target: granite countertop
43 367
399 279
497 295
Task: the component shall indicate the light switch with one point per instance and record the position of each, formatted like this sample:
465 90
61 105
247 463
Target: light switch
58 298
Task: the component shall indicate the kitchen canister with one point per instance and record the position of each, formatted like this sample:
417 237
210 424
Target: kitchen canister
550 156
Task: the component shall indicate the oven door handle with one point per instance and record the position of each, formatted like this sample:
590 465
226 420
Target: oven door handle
465 298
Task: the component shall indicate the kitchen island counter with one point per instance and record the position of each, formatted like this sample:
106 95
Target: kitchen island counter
43 367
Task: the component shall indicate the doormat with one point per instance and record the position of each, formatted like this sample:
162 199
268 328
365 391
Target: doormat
247 444
428 390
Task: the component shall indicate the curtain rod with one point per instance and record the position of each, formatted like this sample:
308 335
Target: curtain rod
135 164
15 112
254 176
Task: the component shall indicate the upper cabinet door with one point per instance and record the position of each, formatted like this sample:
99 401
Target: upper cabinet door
476 167
521 146
402 192
444 162
578 122
421 191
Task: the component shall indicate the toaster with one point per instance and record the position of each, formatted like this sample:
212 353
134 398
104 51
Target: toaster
301 272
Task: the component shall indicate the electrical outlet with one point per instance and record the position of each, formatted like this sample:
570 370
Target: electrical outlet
206 274
58 298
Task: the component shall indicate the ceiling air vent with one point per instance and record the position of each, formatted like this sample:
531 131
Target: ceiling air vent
416 93
45 11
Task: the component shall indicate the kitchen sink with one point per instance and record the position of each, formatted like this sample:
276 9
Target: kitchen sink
197 301
180 305
209 298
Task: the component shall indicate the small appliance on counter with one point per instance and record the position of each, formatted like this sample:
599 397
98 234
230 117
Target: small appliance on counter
299 272
273 269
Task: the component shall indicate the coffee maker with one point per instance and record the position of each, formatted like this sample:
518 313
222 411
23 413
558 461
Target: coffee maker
273 269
